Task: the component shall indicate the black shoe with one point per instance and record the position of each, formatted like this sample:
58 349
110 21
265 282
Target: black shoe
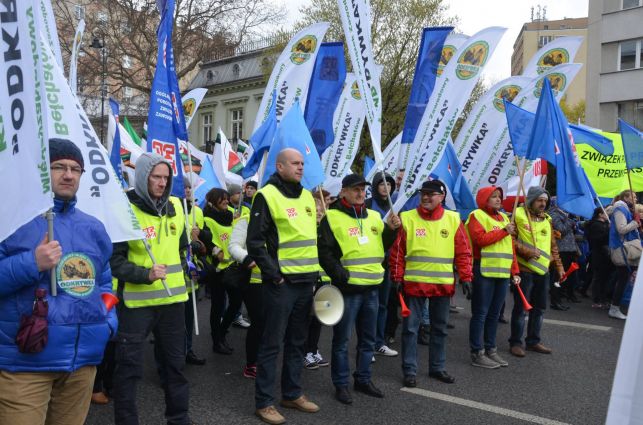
573 299
218 347
368 388
502 319
192 358
559 307
450 326
343 395
409 381
442 376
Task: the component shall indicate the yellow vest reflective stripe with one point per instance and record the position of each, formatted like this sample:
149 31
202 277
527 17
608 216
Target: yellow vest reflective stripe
323 276
296 230
220 238
495 259
163 235
430 247
362 261
542 233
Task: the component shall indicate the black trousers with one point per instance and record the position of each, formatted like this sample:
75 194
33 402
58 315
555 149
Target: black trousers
168 325
252 298
104 380
221 317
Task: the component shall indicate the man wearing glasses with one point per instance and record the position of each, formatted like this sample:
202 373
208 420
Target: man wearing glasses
48 360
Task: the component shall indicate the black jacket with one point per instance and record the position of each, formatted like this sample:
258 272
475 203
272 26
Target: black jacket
330 252
262 241
125 270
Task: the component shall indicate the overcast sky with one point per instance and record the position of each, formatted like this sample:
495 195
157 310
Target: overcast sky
477 14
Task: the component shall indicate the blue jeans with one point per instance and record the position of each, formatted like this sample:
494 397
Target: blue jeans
439 316
488 296
425 320
534 287
383 290
359 310
285 317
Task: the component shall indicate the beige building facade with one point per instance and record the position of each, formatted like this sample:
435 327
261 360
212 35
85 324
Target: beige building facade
537 34
615 70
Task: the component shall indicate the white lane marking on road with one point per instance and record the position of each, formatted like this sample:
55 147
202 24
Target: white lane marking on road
482 406
578 325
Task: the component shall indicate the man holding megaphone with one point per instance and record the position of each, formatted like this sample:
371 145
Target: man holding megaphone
352 241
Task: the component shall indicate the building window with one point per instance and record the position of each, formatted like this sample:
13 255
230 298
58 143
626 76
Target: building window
207 128
79 11
128 92
236 124
629 54
631 112
628 4
127 62
209 75
236 69
544 39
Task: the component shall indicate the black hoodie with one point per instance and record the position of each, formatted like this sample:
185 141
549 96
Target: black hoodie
263 241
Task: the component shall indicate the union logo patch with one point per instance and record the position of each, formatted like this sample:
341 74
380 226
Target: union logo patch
420 233
374 230
224 237
76 274
291 212
444 233
353 231
303 49
149 233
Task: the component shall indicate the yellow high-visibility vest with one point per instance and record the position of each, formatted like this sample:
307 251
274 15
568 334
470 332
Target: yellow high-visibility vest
296 230
361 245
542 234
220 238
495 259
430 247
163 235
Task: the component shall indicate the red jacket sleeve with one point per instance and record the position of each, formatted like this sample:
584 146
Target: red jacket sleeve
396 256
515 269
481 237
463 255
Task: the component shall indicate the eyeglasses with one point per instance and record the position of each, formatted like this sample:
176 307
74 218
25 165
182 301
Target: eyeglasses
62 169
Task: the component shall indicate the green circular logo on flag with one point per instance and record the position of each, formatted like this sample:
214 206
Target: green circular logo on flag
472 60
508 92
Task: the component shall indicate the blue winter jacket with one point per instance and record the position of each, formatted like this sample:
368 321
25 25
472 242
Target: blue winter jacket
79 325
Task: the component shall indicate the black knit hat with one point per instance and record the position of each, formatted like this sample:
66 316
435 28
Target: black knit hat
65 149
434 186
352 180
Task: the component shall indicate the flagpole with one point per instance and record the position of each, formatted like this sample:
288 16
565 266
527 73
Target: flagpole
189 235
149 252
50 236
522 188
321 197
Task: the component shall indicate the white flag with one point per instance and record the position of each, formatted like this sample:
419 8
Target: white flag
487 116
557 52
498 166
449 97
191 101
291 75
47 24
100 193
355 16
390 158
348 121
73 63
24 147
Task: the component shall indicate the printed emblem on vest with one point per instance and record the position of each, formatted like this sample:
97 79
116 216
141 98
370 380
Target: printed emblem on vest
173 229
292 212
374 230
544 232
353 231
444 233
527 228
496 227
309 212
149 232
76 274
223 237
420 233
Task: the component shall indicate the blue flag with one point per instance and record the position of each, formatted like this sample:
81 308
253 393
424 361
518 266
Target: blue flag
550 139
426 71
211 181
325 89
522 122
632 145
166 123
261 140
449 171
292 133
115 153
368 165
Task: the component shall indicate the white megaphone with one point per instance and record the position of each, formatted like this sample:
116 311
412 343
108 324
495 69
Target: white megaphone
328 305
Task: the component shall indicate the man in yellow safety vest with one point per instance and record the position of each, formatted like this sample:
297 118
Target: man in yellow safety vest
146 305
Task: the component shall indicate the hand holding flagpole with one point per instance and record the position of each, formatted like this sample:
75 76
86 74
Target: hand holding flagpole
149 252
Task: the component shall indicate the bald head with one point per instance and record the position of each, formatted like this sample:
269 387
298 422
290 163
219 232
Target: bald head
290 165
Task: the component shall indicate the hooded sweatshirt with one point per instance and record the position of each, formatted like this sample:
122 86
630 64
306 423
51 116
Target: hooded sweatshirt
526 252
122 268
479 236
376 201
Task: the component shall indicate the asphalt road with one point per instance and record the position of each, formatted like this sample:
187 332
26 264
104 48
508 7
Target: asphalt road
570 386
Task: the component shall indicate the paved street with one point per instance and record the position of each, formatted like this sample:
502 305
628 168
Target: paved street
571 386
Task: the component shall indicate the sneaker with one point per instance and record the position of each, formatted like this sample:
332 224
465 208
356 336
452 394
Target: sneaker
493 355
270 415
309 362
250 371
321 362
615 312
385 351
240 322
478 359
